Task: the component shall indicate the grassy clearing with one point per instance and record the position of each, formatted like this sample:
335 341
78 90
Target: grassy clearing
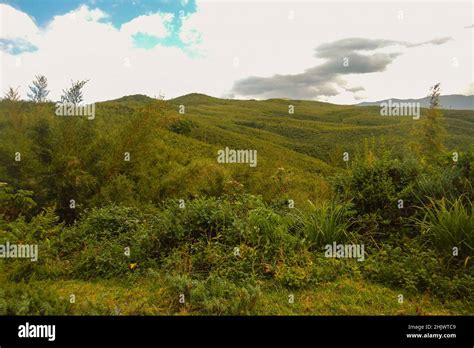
149 296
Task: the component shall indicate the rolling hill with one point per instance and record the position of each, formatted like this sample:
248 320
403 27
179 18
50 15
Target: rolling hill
319 130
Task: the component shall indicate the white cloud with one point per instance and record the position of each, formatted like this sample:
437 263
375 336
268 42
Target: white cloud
156 24
16 24
267 42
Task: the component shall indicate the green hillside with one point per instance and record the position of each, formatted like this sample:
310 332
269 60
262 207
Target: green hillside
316 129
235 239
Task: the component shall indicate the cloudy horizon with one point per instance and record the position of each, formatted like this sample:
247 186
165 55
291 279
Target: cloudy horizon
311 50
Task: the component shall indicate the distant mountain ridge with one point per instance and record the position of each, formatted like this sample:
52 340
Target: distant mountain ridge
452 101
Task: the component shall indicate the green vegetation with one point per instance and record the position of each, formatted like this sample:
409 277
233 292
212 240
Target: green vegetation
133 214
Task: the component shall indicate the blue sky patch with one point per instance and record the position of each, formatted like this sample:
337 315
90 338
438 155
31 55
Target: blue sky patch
118 11
16 46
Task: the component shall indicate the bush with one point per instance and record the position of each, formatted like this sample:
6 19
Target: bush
181 126
266 228
96 246
43 230
375 188
14 203
198 219
408 265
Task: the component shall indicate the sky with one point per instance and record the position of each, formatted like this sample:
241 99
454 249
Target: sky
340 51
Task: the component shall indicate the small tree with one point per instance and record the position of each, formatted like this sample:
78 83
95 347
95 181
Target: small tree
39 90
12 95
430 132
434 96
74 95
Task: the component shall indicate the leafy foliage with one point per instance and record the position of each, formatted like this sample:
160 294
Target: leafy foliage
145 180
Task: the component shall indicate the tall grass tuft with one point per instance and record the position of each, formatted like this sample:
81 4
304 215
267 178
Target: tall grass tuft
449 224
326 224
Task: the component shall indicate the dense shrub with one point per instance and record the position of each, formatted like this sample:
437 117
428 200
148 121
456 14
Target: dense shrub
192 220
96 245
377 187
181 126
42 231
410 266
14 203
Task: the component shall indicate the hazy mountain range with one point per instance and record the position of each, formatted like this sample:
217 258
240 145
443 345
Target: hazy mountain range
453 101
